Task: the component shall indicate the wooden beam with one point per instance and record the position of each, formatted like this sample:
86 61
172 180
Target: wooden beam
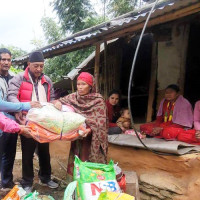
96 67
73 90
154 66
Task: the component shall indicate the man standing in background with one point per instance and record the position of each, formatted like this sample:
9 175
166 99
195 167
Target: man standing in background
8 140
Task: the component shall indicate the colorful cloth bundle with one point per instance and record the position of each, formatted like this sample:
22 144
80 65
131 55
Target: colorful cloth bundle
48 124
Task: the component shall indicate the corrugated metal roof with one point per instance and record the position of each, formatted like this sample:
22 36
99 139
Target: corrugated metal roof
106 28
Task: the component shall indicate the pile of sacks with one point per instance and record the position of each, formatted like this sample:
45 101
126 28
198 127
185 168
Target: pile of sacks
94 181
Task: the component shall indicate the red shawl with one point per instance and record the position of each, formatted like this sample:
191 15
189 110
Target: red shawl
93 108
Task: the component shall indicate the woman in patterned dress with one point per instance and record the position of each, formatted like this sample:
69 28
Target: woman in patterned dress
92 106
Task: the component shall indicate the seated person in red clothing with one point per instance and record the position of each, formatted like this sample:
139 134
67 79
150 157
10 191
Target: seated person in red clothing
113 109
174 112
192 135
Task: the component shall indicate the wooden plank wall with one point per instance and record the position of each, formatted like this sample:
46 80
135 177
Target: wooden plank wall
109 76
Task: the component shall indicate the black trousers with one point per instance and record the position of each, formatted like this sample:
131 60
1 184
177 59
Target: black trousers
28 149
8 148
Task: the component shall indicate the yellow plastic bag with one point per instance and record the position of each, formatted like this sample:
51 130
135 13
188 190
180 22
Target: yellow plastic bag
115 196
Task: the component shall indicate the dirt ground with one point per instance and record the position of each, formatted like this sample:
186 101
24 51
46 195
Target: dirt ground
184 168
59 154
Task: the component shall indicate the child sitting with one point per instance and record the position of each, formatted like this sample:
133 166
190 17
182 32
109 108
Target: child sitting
124 122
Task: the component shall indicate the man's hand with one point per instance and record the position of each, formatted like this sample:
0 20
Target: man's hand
198 134
156 130
35 104
21 118
25 131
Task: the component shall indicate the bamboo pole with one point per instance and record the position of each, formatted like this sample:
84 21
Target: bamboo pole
96 67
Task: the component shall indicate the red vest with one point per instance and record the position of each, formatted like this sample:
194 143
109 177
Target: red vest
26 88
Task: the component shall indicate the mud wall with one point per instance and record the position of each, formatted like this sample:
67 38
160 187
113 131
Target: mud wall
172 59
161 177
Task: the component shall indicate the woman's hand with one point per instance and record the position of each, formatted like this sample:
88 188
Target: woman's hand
198 134
21 118
35 104
85 132
156 130
57 104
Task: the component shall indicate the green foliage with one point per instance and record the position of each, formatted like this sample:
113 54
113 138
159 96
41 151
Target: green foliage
55 67
51 30
92 21
75 16
38 43
119 7
16 52
59 66
15 70
73 13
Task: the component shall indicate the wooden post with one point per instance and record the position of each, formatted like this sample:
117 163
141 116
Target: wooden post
184 50
154 66
72 86
105 71
96 67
